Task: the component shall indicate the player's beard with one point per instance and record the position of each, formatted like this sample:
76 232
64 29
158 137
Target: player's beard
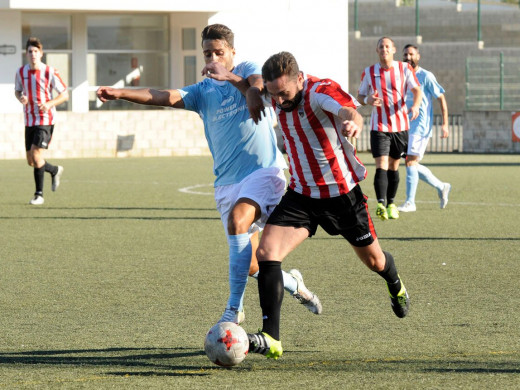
290 105
412 63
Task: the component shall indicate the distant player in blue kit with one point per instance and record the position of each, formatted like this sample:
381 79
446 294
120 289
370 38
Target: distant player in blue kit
421 132
248 166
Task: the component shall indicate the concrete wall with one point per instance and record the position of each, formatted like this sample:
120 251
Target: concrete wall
83 135
489 132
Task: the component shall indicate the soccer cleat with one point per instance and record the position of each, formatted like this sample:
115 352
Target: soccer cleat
303 295
264 344
392 211
443 194
407 207
37 200
401 302
381 212
233 315
56 178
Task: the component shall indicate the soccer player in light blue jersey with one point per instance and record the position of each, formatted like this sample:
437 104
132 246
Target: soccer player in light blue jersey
248 166
421 132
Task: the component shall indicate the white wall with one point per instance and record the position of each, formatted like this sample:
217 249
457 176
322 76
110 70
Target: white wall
10 34
316 32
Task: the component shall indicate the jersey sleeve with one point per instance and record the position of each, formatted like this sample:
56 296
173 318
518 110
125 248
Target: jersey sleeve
331 97
247 68
18 86
57 82
190 96
431 84
364 87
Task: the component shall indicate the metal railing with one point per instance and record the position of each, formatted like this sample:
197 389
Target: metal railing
436 145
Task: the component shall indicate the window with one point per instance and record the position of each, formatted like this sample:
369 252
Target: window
127 51
54 31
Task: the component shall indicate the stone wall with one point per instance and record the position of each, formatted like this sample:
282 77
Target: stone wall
157 133
489 132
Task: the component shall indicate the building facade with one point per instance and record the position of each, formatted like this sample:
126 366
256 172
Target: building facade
154 43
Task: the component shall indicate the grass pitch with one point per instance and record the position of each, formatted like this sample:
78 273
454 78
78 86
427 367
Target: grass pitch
115 280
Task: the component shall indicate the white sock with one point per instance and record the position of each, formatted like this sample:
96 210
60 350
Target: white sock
289 283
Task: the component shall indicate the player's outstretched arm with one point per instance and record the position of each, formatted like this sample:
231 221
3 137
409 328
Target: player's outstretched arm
146 96
255 102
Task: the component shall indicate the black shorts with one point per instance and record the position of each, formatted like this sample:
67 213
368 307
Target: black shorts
346 215
39 136
388 144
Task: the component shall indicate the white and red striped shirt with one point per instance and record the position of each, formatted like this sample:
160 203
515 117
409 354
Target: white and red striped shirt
391 85
323 164
37 85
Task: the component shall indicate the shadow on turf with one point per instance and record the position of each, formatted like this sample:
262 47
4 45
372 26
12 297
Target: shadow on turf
149 359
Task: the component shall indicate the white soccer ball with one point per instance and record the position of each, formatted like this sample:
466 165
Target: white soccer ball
226 344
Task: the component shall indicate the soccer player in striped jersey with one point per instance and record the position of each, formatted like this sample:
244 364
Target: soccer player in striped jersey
421 132
248 166
384 86
34 85
316 118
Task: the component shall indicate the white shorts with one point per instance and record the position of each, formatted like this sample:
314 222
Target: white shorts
417 145
265 187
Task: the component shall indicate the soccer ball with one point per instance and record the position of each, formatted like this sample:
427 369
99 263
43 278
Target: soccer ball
226 344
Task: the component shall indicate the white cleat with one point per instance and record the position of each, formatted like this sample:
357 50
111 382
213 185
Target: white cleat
233 315
37 200
407 207
443 195
306 297
56 178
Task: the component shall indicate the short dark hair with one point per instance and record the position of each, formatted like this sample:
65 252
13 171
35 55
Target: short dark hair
280 64
412 46
33 41
390 39
218 31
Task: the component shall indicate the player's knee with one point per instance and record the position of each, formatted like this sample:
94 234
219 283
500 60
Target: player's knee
375 262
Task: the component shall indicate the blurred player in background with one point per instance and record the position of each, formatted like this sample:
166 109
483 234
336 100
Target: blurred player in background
421 132
384 86
316 116
248 166
34 84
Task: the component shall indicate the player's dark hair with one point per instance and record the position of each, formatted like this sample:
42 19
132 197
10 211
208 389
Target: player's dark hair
390 39
279 65
33 41
218 31
412 46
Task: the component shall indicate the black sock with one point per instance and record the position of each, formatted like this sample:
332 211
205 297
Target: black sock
380 184
393 183
52 169
270 289
38 180
390 275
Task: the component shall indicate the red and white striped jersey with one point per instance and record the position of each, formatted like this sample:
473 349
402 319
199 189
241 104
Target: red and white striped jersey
323 164
37 85
391 85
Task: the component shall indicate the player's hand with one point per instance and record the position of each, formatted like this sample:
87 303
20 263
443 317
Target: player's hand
374 100
445 131
415 112
107 93
255 104
23 99
350 130
216 71
45 107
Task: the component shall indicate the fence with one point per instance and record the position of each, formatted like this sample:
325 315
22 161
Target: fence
493 83
436 145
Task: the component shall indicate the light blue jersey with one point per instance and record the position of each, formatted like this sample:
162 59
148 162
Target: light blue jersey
431 89
238 145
